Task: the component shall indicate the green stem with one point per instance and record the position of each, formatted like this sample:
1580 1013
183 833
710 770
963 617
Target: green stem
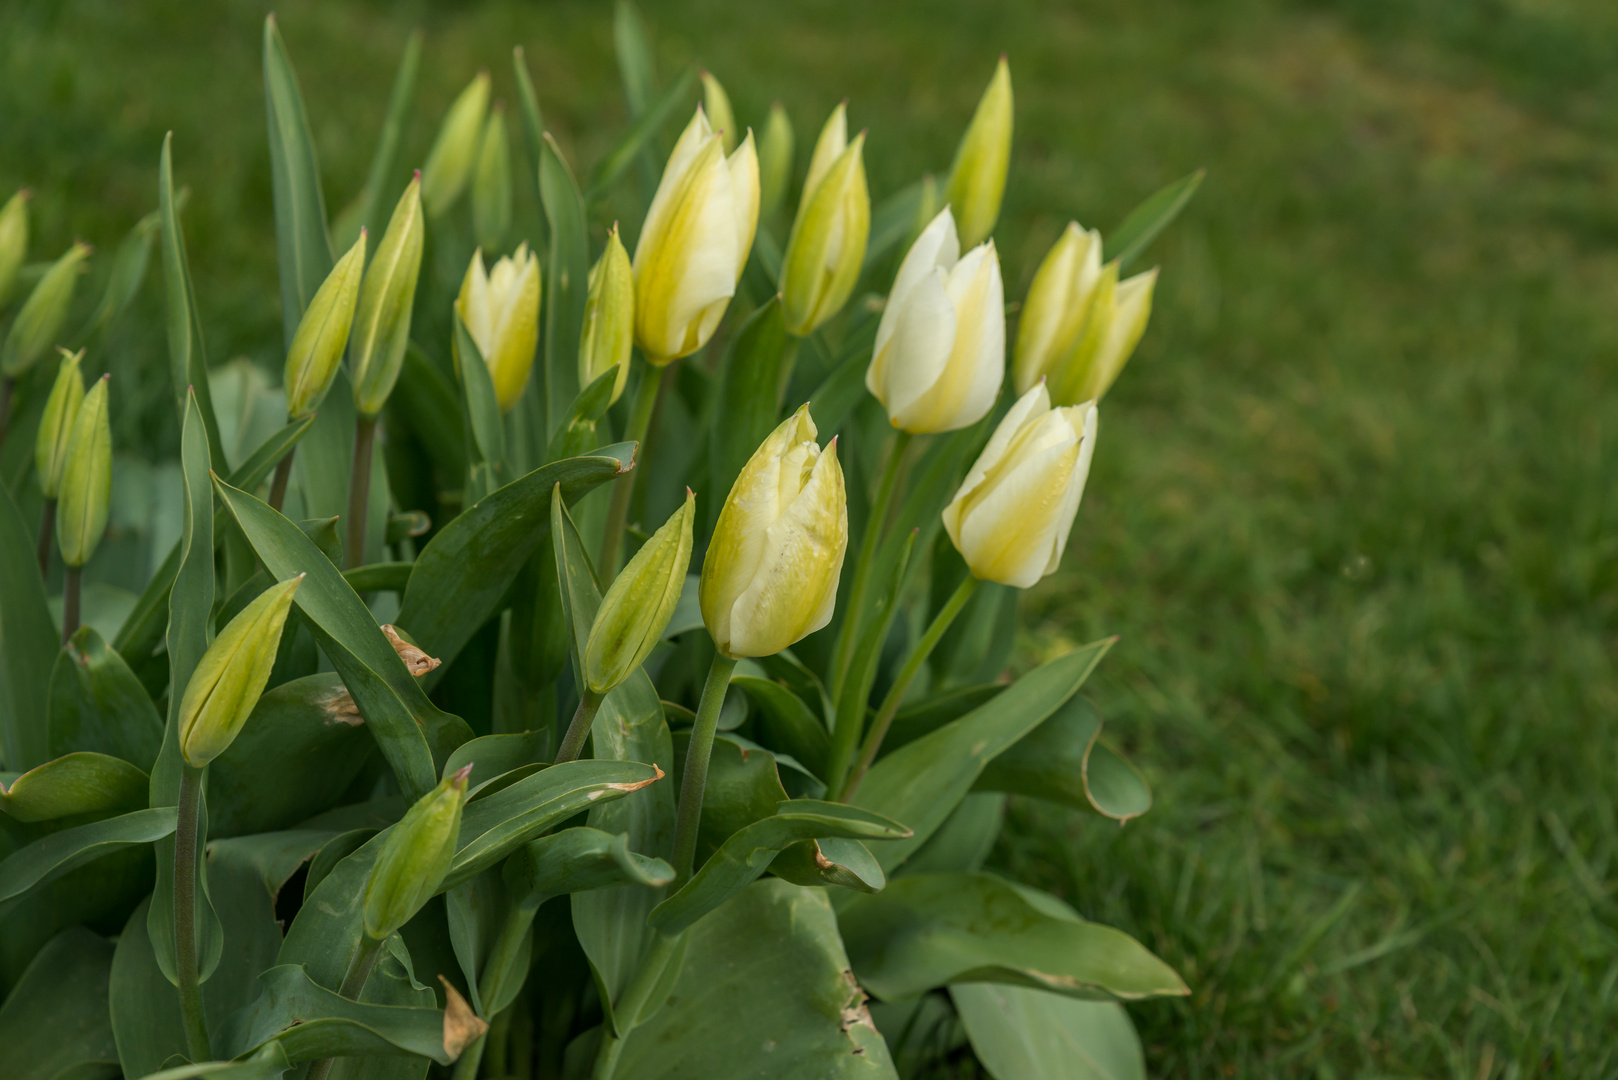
907 674
278 486
186 840
8 387
70 602
579 728
695 778
359 490
47 534
640 422
359 970
634 1000
496 970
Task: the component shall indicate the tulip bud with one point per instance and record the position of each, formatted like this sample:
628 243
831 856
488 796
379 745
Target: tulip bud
1113 327
827 245
632 616
382 320
716 103
317 347
85 489
40 319
977 180
491 183
694 243
231 675
774 159
1057 303
449 162
770 575
13 241
609 317
56 425
1011 516
501 312
940 349
415 857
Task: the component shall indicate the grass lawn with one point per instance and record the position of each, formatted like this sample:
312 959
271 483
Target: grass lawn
1353 513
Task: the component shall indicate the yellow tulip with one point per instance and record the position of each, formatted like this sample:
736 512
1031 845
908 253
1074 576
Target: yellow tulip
977 180
501 312
1112 328
827 245
1058 300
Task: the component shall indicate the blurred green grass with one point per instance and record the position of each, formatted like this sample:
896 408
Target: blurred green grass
1353 512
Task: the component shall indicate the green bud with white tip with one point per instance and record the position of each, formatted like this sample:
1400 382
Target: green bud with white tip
491 183
450 161
317 347
56 425
775 147
609 317
231 675
637 608
977 180
13 241
382 321
40 319
85 491
415 857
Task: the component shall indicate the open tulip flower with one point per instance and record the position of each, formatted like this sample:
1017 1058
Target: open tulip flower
501 310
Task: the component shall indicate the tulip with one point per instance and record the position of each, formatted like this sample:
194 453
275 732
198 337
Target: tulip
501 312
827 245
771 572
1011 517
231 675
637 608
1112 328
450 161
940 349
1058 300
40 319
608 333
13 241
322 335
694 243
491 183
415 857
85 489
56 425
774 159
977 180
382 319
716 104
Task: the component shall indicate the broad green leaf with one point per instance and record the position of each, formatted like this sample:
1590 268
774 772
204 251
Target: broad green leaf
577 585
648 123
97 703
749 388
1150 218
577 433
922 782
55 1022
633 49
337 849
244 876
578 860
835 397
268 1063
77 783
533 123
565 283
928 716
486 456
391 577
493 755
303 248
1023 1034
380 181
838 861
27 644
188 366
747 854
767 970
49 857
1063 761
929 930
145 1009
743 787
963 842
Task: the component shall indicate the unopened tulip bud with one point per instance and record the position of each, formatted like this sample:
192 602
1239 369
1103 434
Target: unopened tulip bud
450 161
13 241
977 180
1011 517
56 425
827 245
501 311
491 183
40 318
415 857
940 350
231 675
86 484
637 608
1058 300
771 572
774 159
694 244
317 347
1112 328
716 103
382 320
609 317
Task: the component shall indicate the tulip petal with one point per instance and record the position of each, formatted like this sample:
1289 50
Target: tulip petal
1010 535
936 247
744 187
964 391
905 368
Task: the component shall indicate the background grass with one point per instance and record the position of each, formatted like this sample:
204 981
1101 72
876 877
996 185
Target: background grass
1353 509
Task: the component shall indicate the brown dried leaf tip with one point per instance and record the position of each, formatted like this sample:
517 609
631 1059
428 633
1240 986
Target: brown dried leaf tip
461 1025
418 662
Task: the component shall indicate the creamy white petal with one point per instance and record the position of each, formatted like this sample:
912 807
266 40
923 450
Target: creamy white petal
1085 418
936 248
829 147
1010 535
744 188
685 151
910 363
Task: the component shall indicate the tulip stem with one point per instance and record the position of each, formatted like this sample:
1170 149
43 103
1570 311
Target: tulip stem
695 778
70 602
8 386
278 486
631 1008
188 824
579 728
47 533
907 674
647 392
359 490
359 970
498 968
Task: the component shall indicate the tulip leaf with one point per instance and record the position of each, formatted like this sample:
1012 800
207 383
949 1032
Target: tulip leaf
577 584
463 573
648 122
302 246
577 433
749 395
838 394
77 783
565 283
97 704
494 755
743 787
426 399
768 970
928 716
963 842
893 220
533 124
188 366
578 860
633 50
49 857
379 192
145 1009
488 443
741 859
929 930
27 644
129 265
268 1063
840 861
406 726
1150 218
1063 760
922 782
1022 1034
244 876
391 577
55 1022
